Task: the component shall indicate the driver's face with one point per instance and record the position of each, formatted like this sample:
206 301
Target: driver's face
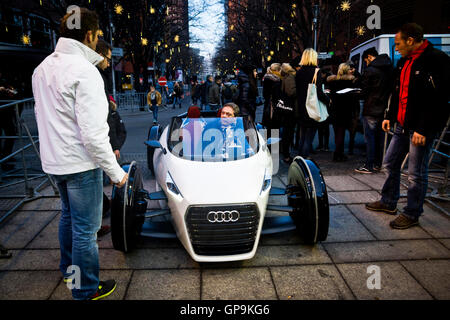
227 112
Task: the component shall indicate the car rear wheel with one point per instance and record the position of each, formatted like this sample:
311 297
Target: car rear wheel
307 195
128 207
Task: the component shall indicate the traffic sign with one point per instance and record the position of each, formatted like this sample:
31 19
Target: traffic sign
117 52
162 81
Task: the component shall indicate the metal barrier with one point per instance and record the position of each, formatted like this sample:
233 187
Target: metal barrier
137 101
23 109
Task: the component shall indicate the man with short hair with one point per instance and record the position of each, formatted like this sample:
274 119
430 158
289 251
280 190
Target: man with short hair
376 85
419 110
71 111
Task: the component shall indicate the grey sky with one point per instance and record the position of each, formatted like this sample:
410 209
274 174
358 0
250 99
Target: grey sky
206 24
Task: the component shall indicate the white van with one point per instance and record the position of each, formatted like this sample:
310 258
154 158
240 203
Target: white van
385 44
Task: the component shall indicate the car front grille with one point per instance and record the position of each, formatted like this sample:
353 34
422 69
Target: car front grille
222 238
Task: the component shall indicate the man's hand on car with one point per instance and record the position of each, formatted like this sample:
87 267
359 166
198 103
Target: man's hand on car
122 183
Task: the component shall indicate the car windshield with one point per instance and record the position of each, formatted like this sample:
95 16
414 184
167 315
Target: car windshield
213 139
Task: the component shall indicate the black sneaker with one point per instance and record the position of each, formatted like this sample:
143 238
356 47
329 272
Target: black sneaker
376 168
363 169
105 288
403 222
380 206
104 230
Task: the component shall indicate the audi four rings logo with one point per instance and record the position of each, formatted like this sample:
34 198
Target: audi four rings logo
223 216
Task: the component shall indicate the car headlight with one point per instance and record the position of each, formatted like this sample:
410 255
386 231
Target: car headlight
171 186
267 182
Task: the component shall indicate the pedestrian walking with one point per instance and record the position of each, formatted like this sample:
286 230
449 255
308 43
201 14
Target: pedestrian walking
303 77
154 100
376 86
418 110
71 114
342 107
178 94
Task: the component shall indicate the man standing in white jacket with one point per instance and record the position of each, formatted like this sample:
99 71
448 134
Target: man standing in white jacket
71 111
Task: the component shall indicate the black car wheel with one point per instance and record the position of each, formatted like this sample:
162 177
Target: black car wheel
128 207
307 194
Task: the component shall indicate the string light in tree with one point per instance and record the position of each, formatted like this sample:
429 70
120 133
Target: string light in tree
118 9
360 30
345 5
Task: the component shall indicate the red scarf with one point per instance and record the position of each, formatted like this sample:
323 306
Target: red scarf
404 81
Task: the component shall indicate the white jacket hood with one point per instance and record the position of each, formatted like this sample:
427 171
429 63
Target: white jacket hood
71 110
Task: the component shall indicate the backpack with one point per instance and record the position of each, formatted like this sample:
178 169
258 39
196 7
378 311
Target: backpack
228 93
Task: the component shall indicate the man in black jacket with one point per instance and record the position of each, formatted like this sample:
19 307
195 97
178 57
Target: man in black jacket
419 108
376 85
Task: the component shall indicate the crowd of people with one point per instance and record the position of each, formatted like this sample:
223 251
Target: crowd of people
81 133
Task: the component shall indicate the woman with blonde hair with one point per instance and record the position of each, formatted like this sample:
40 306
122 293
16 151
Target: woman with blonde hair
303 77
343 107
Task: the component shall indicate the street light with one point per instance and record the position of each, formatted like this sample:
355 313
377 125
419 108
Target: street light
315 21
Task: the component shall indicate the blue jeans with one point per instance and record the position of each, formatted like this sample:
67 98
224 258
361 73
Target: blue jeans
418 158
373 136
176 100
81 217
306 138
155 112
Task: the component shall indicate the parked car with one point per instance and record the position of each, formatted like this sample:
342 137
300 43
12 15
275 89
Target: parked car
213 182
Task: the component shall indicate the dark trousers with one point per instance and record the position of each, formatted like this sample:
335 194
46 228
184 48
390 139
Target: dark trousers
306 138
339 139
324 134
287 136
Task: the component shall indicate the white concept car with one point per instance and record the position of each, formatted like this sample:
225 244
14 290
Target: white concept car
214 179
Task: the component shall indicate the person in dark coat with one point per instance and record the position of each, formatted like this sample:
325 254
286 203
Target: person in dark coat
204 92
342 107
271 93
289 98
248 92
303 78
376 87
356 112
178 94
117 132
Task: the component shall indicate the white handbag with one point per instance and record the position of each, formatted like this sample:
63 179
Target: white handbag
316 109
